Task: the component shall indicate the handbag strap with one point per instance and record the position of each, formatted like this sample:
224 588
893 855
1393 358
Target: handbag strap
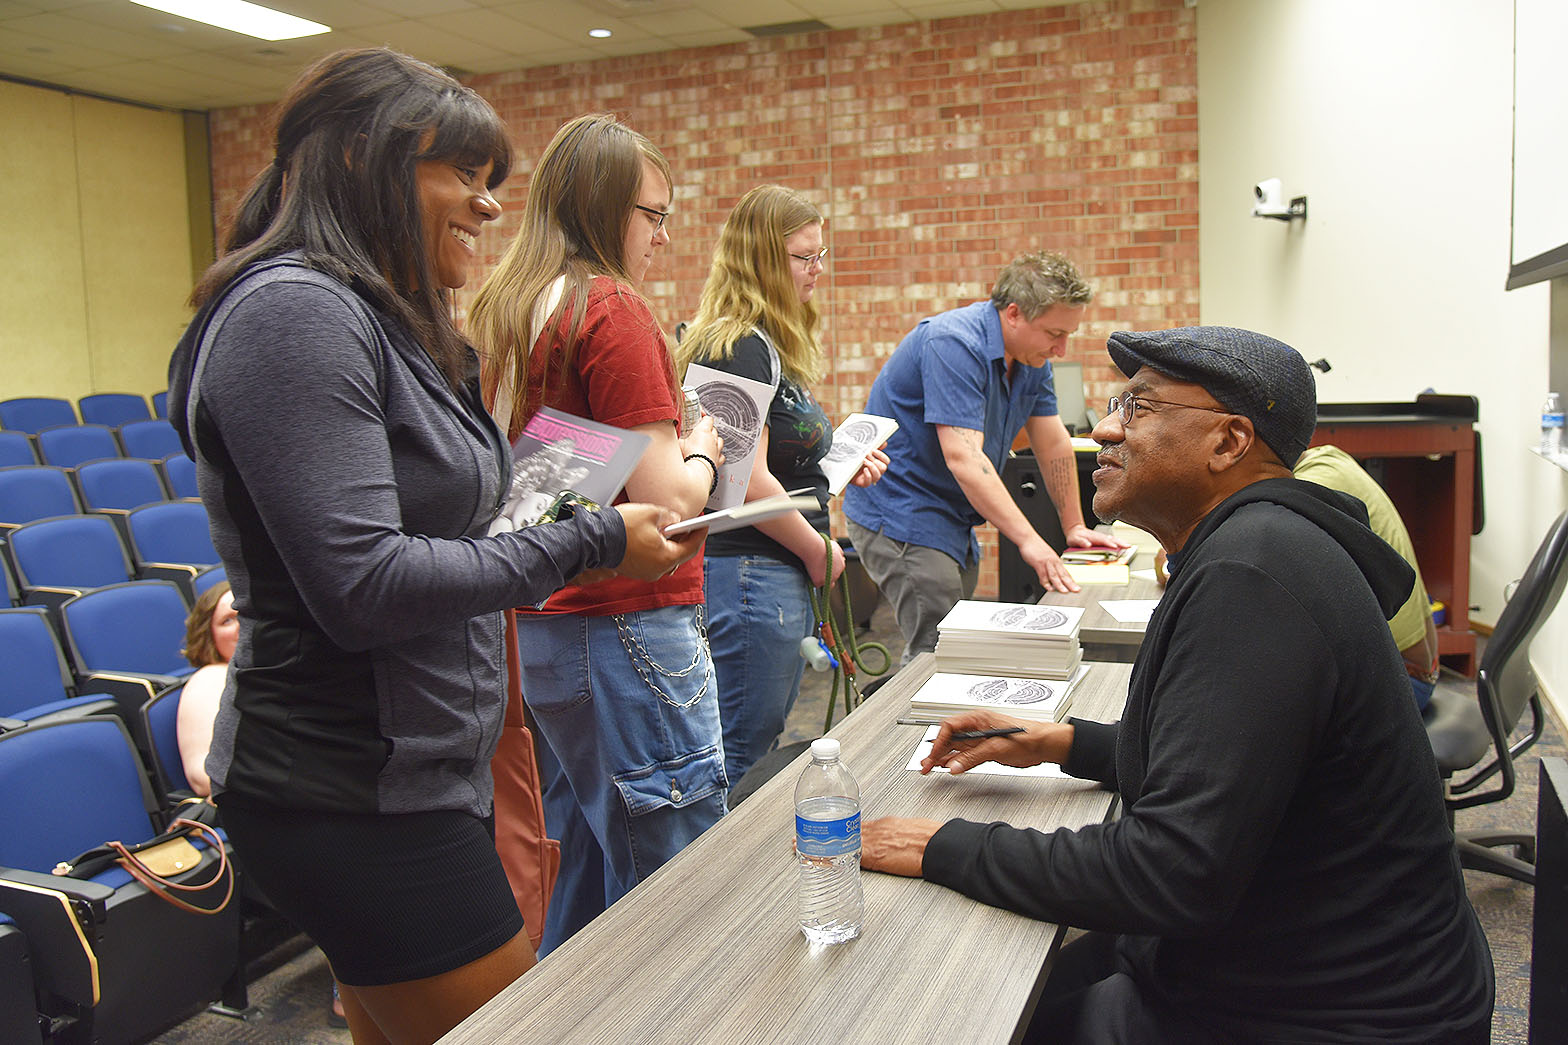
164 888
506 389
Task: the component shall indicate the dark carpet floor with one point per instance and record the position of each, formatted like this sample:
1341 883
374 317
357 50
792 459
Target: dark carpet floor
291 1001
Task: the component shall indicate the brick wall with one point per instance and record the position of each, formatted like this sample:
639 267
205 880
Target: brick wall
938 150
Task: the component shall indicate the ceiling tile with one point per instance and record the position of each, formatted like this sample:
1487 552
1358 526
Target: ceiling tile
238 71
691 20
950 8
34 67
69 30
571 21
339 14
755 12
29 46
833 11
710 38
872 16
422 8
485 26
425 40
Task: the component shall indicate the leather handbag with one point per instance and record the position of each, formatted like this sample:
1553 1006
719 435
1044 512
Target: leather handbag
531 859
157 861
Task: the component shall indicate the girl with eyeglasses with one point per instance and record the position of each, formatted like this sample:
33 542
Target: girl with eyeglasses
756 319
617 674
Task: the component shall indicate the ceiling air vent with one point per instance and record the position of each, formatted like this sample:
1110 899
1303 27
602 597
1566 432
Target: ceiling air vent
809 25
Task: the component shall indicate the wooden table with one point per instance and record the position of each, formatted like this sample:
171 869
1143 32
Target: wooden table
709 949
1104 638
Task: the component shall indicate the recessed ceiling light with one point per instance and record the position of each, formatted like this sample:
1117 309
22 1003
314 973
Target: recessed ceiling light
240 17
599 34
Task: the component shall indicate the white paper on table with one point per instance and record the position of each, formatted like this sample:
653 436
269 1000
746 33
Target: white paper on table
1044 769
852 441
1130 611
1145 575
739 407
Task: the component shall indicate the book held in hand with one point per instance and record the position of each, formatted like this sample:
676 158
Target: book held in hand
852 442
561 455
739 408
747 514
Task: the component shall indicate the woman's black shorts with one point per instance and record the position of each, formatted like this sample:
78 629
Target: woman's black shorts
389 897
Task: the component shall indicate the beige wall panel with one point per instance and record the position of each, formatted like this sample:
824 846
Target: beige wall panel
43 340
136 228
1397 274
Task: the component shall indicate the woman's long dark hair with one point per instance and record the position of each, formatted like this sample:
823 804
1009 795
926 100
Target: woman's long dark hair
349 135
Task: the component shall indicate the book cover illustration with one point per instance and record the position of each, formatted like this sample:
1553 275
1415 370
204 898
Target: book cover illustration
739 407
1012 618
946 693
852 441
559 452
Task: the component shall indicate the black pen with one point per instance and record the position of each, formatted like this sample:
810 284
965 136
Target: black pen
981 734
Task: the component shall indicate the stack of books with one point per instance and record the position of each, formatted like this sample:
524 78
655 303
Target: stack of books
944 694
1100 565
1010 657
1014 638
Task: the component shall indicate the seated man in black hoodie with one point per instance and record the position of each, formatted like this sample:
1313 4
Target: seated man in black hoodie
1282 869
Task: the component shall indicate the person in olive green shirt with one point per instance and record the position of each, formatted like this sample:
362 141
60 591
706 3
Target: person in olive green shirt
1412 627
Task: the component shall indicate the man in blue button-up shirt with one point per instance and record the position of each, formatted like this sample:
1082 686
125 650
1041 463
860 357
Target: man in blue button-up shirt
961 386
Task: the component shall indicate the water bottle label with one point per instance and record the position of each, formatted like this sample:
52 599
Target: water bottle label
827 837
1552 420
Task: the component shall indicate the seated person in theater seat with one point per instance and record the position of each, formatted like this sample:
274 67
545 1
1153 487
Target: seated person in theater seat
1283 868
210 633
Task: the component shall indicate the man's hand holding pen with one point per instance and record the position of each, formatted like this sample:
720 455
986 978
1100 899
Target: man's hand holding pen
1023 744
897 845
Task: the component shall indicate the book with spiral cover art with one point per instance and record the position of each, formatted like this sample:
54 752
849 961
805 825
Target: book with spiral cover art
946 693
739 408
988 638
857 436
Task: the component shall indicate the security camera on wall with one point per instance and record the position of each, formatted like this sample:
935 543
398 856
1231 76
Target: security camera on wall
1268 201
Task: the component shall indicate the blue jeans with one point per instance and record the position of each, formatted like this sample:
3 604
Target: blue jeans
1421 689
759 608
631 754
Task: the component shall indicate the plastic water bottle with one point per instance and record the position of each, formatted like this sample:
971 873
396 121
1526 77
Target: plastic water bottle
827 847
1552 425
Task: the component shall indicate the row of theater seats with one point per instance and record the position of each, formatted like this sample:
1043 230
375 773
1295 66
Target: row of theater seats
48 431
35 413
103 959
101 561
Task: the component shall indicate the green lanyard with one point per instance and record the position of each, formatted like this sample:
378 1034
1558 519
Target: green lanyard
845 653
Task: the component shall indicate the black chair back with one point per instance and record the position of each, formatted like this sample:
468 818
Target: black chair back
1506 682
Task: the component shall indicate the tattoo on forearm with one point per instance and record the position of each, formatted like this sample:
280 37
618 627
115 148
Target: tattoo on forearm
1058 474
974 442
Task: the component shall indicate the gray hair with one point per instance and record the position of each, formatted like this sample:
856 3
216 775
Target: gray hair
1035 282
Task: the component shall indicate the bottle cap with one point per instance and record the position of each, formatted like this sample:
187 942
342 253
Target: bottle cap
824 749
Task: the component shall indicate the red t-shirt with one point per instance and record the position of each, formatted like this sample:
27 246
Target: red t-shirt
620 375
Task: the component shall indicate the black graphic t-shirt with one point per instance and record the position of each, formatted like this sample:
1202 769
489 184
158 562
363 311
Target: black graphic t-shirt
799 435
